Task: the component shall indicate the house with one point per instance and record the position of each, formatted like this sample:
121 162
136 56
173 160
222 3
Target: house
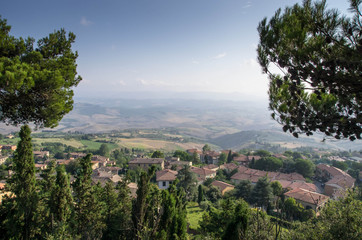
96 164
338 184
242 160
203 173
8 147
165 178
210 157
211 167
3 192
145 163
41 154
245 160
223 186
103 177
75 155
325 172
253 175
229 166
41 166
3 159
193 151
308 199
336 180
113 170
290 185
133 189
177 163
10 136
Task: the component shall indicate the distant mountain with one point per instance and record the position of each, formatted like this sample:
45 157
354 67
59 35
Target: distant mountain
198 118
277 137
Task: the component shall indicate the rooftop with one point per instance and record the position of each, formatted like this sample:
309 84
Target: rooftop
307 196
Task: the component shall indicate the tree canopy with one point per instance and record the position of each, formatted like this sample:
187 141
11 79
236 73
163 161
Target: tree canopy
35 83
318 52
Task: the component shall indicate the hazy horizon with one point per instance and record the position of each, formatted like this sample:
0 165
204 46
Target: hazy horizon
157 46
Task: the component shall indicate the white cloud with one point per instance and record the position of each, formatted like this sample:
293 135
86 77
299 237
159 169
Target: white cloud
122 83
247 5
195 62
85 22
250 62
219 56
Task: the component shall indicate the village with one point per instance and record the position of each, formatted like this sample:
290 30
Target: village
327 182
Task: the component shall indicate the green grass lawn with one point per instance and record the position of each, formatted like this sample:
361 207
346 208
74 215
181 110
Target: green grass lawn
194 215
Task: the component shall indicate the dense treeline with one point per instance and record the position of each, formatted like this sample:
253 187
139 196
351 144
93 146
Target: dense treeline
53 208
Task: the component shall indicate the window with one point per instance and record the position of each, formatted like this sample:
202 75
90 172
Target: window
164 184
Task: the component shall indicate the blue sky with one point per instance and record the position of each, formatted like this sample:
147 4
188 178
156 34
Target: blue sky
156 45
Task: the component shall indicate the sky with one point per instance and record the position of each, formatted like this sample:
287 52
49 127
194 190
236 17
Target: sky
160 46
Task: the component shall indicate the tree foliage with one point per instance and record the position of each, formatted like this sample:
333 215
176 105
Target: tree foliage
88 219
22 220
305 167
36 83
319 55
158 154
268 164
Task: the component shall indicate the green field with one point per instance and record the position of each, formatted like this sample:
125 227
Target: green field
95 145
194 215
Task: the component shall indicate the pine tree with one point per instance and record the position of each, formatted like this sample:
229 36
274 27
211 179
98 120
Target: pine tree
262 193
22 220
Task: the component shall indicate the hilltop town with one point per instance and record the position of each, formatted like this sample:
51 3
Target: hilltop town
311 179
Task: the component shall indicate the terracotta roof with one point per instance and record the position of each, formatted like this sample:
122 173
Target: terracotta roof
344 181
194 150
222 185
179 163
212 154
166 175
242 169
147 161
271 175
244 176
99 158
202 171
241 158
255 157
229 166
333 171
307 196
298 184
211 166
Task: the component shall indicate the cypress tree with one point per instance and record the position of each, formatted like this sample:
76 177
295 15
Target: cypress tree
61 206
88 218
112 212
230 158
22 222
139 208
47 187
237 227
201 196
